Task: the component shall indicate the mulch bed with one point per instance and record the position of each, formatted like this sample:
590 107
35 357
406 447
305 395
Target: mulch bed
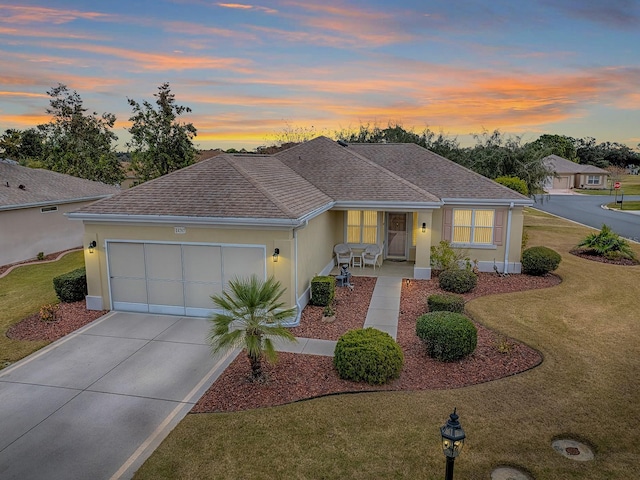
69 317
297 377
594 257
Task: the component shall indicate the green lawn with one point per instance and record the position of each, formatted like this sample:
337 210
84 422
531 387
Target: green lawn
23 292
630 185
625 206
587 388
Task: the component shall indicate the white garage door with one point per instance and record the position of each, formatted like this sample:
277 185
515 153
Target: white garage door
176 279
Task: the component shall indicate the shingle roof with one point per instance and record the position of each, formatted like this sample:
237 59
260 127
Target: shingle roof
439 176
562 165
225 186
44 187
295 183
346 176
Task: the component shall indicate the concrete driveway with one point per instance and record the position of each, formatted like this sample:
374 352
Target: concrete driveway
96 403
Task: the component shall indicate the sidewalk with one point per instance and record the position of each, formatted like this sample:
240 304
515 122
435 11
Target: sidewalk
382 314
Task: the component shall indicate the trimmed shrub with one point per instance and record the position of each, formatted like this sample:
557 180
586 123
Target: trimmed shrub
71 286
448 336
368 355
323 290
458 281
514 183
445 257
445 302
540 260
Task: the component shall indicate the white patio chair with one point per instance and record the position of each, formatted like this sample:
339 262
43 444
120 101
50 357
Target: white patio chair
343 254
371 255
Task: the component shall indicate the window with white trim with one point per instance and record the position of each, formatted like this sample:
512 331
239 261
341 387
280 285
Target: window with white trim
362 226
593 180
473 226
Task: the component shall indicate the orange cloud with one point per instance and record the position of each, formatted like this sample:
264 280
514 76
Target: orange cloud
18 14
40 33
159 62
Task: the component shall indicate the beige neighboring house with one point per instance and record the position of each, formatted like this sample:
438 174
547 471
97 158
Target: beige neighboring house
167 245
33 203
569 175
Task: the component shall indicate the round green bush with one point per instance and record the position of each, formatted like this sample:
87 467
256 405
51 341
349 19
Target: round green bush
448 336
445 302
457 281
368 355
540 260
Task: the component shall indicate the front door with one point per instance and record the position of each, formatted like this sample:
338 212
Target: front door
397 236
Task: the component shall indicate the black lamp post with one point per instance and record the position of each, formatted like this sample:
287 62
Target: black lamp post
452 442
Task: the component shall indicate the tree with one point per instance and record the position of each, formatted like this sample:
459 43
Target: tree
560 145
76 143
159 143
495 156
252 316
22 146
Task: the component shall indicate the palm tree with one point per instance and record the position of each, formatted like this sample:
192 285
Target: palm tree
252 316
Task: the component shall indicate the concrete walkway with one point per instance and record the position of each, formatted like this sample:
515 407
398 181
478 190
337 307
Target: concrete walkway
382 314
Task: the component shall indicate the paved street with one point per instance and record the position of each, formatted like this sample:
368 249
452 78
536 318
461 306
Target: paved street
586 209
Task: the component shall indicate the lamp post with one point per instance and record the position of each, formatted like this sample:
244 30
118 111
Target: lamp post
452 442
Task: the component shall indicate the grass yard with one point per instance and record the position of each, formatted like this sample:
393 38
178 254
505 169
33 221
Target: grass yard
625 206
587 388
23 292
630 185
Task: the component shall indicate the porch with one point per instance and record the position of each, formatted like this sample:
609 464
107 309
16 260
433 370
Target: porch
389 268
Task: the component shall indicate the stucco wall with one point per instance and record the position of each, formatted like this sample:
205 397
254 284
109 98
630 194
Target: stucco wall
315 246
27 231
96 262
487 255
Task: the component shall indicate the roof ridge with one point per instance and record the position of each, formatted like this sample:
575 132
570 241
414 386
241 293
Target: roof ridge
242 171
394 175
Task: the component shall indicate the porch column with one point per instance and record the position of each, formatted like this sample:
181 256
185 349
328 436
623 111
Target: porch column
422 268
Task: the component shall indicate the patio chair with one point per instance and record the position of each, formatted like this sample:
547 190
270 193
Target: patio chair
370 256
343 254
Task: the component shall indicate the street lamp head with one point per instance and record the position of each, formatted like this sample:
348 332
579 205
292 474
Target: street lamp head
452 436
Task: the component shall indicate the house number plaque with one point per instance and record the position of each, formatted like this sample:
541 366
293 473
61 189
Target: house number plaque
180 230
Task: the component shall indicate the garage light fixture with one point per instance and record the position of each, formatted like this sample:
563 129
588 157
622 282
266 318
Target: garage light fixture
92 245
276 254
424 227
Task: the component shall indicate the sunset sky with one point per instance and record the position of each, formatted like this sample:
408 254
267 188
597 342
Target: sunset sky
247 70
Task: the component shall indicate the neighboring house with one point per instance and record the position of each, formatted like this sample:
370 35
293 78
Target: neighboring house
32 207
165 246
570 175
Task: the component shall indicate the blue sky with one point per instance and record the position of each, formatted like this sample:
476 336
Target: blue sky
250 70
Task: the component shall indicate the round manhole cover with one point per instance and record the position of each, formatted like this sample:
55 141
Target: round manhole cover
509 473
573 449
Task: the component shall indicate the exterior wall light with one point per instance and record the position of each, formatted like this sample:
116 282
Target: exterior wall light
92 245
452 442
424 227
276 255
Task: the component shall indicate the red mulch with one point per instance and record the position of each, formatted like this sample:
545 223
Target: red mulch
594 257
297 377
69 317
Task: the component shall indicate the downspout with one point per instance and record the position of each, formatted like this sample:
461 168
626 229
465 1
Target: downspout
508 241
296 322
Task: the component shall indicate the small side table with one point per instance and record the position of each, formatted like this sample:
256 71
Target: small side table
356 261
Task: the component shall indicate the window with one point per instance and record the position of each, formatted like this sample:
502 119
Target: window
473 226
593 180
362 226
48 209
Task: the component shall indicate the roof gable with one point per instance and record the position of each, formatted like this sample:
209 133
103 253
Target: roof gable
44 187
